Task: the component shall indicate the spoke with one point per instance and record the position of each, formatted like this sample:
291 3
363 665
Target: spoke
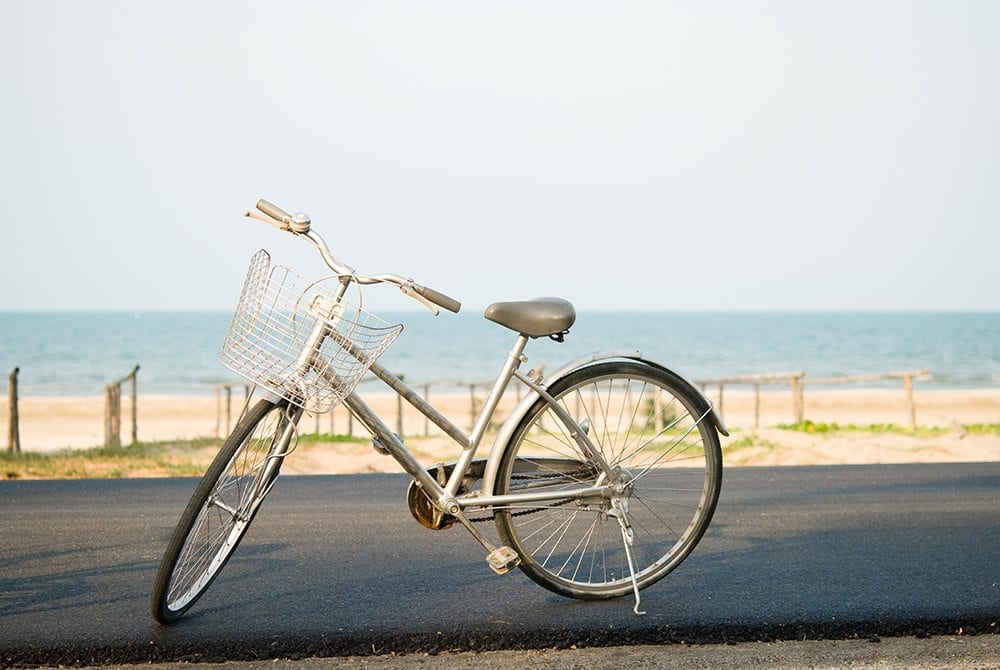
635 412
529 440
646 487
611 450
692 457
542 467
604 554
586 410
561 532
215 502
660 457
671 503
583 552
539 530
593 558
648 425
662 431
605 409
583 539
655 515
647 468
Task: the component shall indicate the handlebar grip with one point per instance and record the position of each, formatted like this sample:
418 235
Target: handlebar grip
273 211
439 299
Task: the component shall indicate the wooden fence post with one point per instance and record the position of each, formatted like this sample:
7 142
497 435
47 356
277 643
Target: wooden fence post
224 397
116 414
110 436
756 406
798 402
908 388
113 409
135 406
13 426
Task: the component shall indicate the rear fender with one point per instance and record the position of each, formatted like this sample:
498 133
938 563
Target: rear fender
512 421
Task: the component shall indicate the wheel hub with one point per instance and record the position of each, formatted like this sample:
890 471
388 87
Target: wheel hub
618 490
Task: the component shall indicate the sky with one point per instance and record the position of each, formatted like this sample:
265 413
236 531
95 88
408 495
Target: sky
624 155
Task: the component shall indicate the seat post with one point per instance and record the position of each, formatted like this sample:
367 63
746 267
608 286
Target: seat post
514 360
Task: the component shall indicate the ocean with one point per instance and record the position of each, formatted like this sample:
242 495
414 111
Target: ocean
76 353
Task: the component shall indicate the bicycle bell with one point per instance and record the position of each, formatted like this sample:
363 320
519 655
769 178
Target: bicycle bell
300 223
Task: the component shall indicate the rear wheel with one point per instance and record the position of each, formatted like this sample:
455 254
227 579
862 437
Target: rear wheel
221 509
654 431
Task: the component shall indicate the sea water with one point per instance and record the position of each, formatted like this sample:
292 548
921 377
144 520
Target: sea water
77 353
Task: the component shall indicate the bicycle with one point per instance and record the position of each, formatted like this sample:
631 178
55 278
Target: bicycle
600 481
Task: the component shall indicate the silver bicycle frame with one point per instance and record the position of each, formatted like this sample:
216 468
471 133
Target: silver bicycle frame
446 496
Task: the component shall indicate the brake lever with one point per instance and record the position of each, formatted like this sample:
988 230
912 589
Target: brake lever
408 290
266 219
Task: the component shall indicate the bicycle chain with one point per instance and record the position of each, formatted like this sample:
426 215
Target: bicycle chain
492 517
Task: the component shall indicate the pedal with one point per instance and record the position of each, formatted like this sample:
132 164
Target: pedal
503 559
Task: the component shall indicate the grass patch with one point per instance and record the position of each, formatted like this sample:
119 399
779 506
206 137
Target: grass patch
808 426
175 458
748 449
325 438
982 428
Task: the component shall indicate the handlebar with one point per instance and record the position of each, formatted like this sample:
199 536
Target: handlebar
299 224
439 299
273 211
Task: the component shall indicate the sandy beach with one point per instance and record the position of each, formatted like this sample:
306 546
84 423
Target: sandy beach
50 424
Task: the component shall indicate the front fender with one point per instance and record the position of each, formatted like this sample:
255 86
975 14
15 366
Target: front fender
514 418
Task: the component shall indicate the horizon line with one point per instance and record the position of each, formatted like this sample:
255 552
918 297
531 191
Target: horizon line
608 310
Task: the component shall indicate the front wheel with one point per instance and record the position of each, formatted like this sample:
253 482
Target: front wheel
222 507
654 432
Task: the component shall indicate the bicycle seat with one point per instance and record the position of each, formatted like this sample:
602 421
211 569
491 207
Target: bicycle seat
534 318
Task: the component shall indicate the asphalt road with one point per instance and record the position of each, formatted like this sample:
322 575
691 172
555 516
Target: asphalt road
336 565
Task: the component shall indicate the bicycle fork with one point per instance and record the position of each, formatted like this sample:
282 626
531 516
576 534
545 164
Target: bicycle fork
280 447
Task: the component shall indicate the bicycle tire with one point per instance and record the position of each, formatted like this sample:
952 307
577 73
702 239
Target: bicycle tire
219 513
653 428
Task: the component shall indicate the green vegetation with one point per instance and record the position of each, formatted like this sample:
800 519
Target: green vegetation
981 428
748 449
808 426
326 438
176 458
742 443
668 413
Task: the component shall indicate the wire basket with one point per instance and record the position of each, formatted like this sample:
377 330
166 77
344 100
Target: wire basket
294 338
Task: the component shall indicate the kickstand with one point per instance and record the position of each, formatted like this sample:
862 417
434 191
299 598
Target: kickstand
628 539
